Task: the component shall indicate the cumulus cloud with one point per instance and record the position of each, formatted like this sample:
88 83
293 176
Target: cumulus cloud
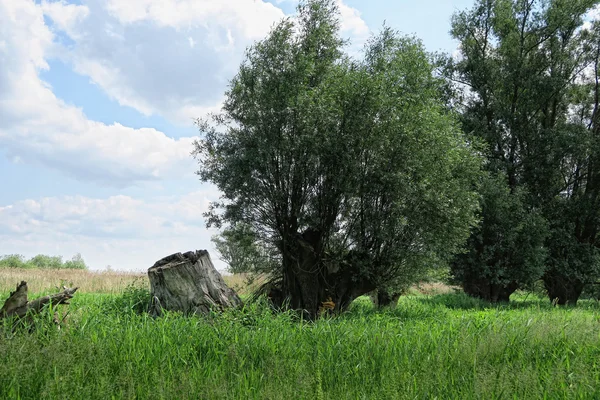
173 57
36 126
167 57
122 231
65 16
351 21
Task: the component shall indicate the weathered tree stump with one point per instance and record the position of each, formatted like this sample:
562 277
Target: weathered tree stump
189 283
18 305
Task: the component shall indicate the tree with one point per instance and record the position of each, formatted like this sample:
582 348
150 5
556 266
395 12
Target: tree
242 252
505 251
353 171
519 59
76 262
42 261
574 214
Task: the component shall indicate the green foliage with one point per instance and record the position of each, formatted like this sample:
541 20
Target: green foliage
76 262
521 86
446 347
357 160
507 246
13 261
240 249
135 298
575 214
42 261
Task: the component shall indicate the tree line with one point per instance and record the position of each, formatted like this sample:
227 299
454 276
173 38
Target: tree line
42 261
342 175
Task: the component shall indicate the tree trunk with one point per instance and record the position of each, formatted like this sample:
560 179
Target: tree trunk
383 298
484 289
312 285
189 283
18 305
561 289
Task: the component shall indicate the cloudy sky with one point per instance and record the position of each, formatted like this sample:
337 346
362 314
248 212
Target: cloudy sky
97 101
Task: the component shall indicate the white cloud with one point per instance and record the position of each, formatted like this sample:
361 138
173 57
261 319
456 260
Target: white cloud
65 16
139 52
252 19
351 21
591 16
121 231
162 56
37 127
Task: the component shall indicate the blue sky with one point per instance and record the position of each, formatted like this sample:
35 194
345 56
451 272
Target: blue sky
97 101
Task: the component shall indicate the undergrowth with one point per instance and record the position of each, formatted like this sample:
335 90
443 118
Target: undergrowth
445 347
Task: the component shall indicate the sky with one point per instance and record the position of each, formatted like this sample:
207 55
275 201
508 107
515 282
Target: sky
97 103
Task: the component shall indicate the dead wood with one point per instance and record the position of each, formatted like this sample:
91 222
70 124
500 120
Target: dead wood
18 305
189 283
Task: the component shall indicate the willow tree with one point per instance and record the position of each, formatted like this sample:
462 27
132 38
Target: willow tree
352 170
518 63
574 214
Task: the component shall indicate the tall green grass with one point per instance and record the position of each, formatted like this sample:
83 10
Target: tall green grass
439 347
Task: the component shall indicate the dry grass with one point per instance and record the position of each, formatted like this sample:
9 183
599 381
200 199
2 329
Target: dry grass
432 289
243 284
43 280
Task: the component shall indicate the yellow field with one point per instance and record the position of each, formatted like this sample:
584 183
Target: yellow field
40 280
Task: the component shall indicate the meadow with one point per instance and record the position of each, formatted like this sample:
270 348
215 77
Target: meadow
432 346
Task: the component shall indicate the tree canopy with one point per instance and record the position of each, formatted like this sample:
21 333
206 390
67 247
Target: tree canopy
525 84
352 171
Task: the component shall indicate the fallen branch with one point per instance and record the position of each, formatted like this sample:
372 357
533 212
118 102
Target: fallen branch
18 305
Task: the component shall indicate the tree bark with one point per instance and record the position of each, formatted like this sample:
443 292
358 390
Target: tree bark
382 299
189 283
313 285
562 289
18 305
486 290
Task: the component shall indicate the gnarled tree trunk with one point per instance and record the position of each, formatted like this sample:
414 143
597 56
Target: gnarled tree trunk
484 289
562 289
18 305
383 298
189 283
313 285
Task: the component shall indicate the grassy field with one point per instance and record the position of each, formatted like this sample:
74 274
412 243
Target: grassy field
443 346
111 282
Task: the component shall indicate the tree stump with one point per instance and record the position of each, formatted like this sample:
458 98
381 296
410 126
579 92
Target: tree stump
189 283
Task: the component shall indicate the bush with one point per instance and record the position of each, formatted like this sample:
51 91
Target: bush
13 261
134 298
75 263
42 261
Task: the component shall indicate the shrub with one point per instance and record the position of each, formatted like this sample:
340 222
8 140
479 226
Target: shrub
13 261
75 263
134 298
42 261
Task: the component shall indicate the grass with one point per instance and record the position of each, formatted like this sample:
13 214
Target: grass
112 282
445 346
47 280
